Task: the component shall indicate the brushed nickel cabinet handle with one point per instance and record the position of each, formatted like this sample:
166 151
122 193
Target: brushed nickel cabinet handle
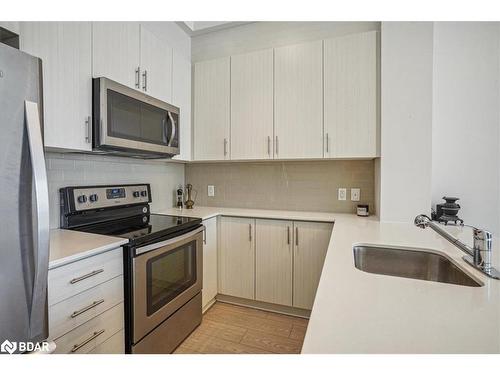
138 77
205 236
250 232
86 341
296 236
145 80
269 145
225 146
277 148
88 130
327 144
93 273
91 306
288 236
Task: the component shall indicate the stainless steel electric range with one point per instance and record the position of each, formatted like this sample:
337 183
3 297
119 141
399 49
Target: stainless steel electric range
162 261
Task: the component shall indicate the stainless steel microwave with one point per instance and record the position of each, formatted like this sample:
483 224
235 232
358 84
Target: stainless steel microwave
131 123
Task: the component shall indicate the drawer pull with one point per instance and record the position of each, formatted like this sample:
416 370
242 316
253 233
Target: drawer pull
92 305
93 337
93 273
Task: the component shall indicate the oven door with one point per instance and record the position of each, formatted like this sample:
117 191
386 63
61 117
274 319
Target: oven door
130 120
166 275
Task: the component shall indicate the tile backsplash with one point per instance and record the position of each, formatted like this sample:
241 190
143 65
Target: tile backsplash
288 185
80 169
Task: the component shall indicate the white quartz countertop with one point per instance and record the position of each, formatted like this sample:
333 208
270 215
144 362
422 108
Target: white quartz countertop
209 212
359 312
68 246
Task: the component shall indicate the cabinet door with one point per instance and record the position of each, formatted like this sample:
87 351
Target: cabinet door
211 110
156 66
273 261
351 114
209 261
252 105
310 245
65 50
181 97
116 51
237 257
298 101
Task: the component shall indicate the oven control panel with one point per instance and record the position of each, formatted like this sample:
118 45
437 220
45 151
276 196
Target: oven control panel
94 197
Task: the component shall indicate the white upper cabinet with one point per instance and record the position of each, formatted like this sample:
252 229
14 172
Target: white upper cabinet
298 101
252 105
116 52
66 53
156 66
181 97
211 109
350 98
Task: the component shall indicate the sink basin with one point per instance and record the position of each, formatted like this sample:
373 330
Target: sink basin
413 264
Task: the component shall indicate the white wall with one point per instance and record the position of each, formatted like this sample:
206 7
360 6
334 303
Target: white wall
73 170
406 120
466 98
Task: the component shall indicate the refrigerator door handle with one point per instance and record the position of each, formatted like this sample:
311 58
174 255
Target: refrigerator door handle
39 296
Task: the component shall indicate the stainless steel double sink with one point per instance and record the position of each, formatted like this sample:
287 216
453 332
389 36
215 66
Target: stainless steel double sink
413 264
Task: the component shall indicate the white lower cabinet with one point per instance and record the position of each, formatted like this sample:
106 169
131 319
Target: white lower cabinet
310 245
86 312
237 257
93 333
209 261
114 345
273 261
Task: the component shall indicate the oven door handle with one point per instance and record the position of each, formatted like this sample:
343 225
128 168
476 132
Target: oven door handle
157 245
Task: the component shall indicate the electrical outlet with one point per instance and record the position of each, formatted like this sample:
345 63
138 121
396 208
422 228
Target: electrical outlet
211 190
355 194
342 196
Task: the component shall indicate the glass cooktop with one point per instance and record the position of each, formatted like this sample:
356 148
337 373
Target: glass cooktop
144 227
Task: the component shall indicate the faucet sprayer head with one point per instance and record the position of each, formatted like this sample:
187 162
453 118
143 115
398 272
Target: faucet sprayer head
422 221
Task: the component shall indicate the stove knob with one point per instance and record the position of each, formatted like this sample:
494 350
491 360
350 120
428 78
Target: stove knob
136 194
94 198
82 199
144 193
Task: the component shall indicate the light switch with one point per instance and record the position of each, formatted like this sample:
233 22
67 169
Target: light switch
355 194
211 190
342 195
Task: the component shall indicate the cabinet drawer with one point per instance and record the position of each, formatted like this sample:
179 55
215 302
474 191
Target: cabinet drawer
74 278
114 345
74 311
93 333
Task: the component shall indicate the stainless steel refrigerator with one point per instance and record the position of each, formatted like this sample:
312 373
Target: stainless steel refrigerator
24 208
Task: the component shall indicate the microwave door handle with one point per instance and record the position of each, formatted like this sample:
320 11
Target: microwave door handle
39 296
164 123
172 132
